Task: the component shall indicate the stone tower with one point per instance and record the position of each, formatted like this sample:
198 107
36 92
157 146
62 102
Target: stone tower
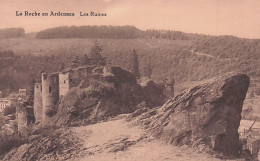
64 83
169 89
21 117
37 102
25 117
50 93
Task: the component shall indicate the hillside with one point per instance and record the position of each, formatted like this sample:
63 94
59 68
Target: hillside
187 57
183 58
11 33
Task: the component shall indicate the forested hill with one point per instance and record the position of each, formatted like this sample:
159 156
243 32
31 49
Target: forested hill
221 47
110 32
187 57
114 32
11 33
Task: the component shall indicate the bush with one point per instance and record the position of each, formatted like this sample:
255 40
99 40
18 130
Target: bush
8 142
9 110
51 112
2 120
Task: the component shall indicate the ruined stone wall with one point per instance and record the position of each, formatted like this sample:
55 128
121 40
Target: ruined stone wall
22 92
67 81
37 102
169 91
21 117
72 78
107 70
64 86
50 93
85 72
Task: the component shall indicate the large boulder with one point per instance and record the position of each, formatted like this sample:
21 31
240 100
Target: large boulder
206 116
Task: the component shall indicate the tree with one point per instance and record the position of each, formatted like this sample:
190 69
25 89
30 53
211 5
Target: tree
62 66
75 61
135 64
2 120
86 60
30 97
95 55
9 110
148 71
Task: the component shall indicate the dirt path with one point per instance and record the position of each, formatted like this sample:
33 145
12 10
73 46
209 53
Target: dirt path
114 140
119 140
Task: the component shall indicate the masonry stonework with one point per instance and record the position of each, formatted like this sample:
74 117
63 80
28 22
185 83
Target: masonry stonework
25 117
21 117
72 78
50 93
53 87
37 102
64 85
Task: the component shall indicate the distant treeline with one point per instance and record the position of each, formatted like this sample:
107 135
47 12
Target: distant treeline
166 34
109 32
6 53
11 33
113 32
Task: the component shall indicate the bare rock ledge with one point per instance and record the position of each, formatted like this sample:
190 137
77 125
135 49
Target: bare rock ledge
207 115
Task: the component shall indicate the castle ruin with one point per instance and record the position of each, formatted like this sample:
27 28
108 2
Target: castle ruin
54 86
50 93
38 101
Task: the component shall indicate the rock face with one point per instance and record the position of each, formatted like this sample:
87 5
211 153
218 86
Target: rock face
207 115
60 144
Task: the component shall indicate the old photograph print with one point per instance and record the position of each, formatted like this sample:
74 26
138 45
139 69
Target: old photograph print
129 80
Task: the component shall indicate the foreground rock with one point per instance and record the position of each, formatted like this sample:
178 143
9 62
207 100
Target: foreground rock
106 141
206 116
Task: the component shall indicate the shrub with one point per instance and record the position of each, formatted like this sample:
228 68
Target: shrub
51 112
2 120
8 142
9 110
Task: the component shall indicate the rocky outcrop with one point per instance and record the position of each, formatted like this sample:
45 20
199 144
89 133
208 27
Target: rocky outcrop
60 144
206 116
154 94
114 140
104 96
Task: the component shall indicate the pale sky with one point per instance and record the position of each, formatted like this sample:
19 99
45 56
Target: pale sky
214 17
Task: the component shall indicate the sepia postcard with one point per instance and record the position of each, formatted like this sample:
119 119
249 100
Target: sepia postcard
129 80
